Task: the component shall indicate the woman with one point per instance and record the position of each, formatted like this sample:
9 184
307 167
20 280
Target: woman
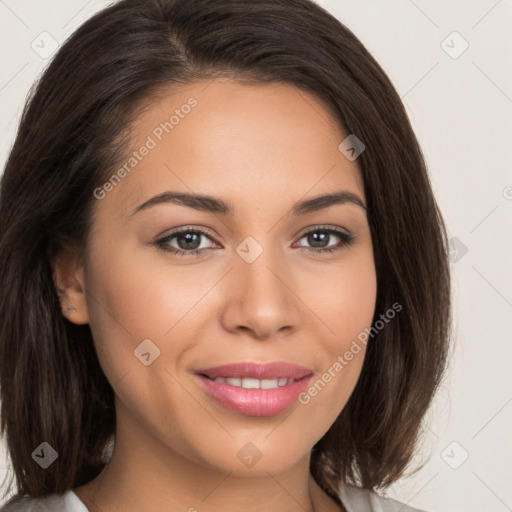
224 274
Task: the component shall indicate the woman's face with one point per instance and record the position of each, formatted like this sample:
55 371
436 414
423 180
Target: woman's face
259 291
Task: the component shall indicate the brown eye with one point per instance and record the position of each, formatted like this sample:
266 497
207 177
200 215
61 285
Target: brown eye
320 238
187 240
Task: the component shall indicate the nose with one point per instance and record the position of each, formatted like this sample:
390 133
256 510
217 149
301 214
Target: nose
260 298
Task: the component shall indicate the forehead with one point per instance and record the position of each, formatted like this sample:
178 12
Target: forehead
261 145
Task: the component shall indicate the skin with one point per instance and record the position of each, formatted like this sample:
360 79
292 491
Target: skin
261 148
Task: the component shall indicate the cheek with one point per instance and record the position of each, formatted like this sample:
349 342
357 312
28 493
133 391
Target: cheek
129 294
346 306
121 301
355 297
146 295
346 299
130 312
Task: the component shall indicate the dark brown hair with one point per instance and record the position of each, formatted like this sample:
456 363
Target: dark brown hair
75 129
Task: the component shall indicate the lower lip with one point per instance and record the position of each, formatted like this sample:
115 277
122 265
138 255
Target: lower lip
255 402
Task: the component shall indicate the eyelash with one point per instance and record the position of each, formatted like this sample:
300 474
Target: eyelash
346 240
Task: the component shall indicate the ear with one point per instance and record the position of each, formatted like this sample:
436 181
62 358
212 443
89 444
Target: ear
68 278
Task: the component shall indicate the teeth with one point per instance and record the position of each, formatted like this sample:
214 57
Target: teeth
271 383
249 383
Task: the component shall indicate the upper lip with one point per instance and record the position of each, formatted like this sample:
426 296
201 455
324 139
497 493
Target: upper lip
273 370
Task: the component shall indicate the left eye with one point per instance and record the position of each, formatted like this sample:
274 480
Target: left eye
189 241
319 236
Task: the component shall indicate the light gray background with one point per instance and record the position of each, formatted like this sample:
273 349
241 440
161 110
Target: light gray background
461 110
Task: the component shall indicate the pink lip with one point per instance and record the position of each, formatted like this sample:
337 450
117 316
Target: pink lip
272 370
255 402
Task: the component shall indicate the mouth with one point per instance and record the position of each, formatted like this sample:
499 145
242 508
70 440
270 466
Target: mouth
255 389
249 383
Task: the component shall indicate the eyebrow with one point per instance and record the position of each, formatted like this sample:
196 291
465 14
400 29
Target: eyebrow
215 205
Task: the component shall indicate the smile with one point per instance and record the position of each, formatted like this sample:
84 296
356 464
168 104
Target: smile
255 389
248 383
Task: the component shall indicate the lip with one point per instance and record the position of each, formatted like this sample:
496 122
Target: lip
272 370
255 402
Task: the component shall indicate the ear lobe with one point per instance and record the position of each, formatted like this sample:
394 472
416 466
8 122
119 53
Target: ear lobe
68 278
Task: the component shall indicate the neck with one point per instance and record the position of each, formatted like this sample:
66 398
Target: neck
145 474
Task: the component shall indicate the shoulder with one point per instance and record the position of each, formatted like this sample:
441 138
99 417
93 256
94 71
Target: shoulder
356 499
67 502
